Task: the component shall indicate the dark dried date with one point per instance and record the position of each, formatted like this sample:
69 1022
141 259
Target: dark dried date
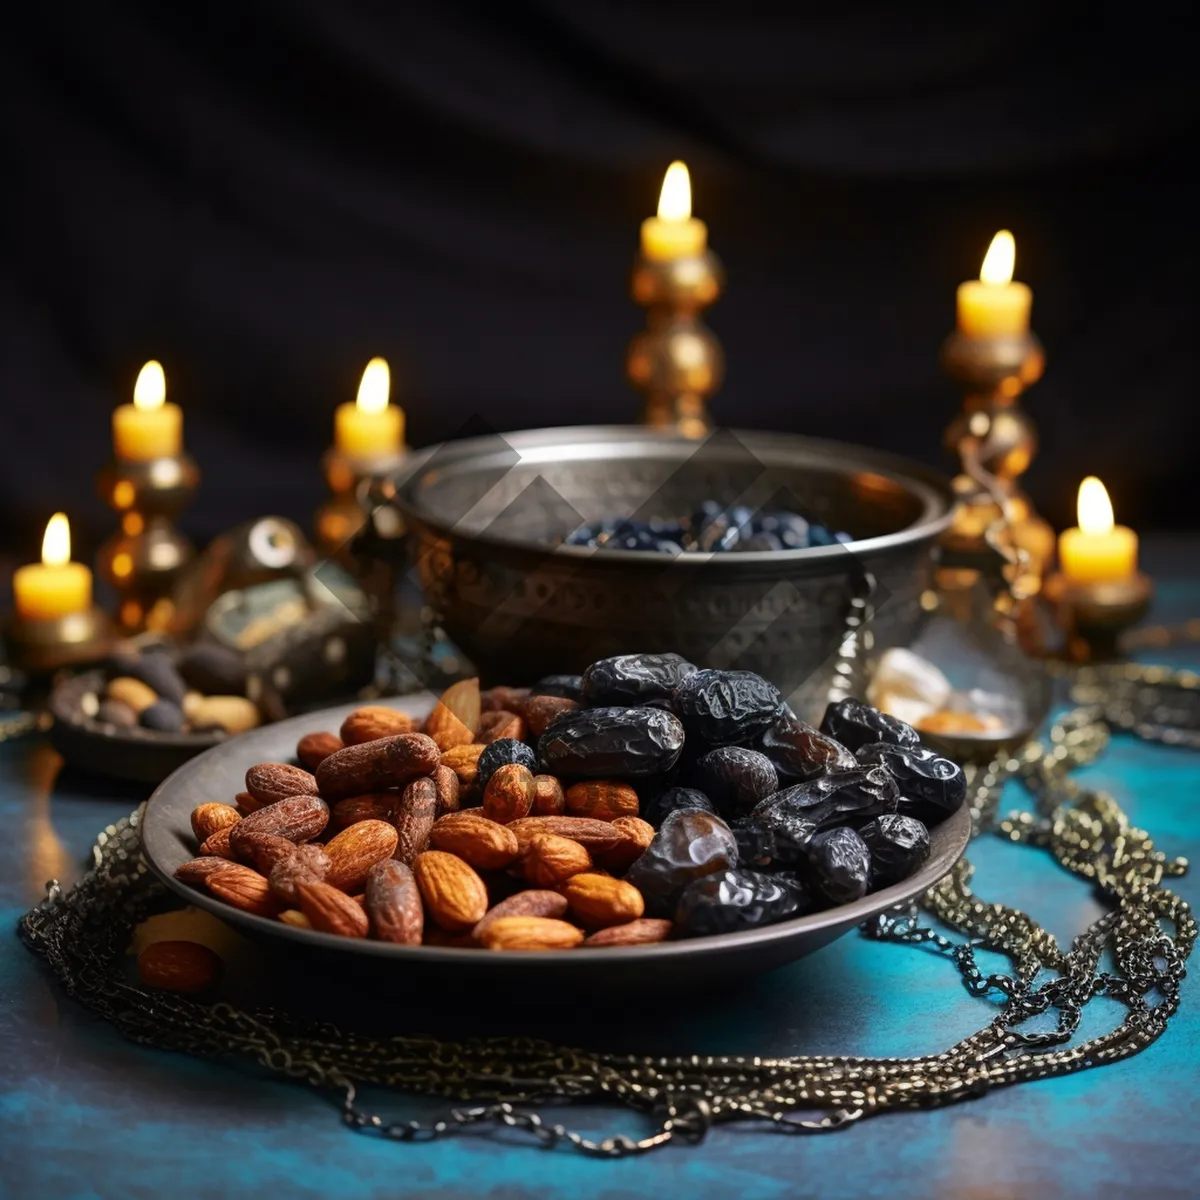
635 679
690 844
726 707
931 787
898 846
618 743
856 724
801 752
674 799
736 778
735 900
568 687
839 866
501 753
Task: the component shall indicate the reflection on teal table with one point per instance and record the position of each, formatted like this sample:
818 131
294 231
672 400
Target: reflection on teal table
85 1113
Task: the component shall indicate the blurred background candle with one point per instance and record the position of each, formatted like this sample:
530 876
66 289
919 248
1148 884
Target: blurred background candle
1097 551
994 305
56 587
148 428
370 427
674 233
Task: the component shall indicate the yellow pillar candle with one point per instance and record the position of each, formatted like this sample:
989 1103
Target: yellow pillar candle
993 305
1097 551
674 233
148 428
370 427
55 587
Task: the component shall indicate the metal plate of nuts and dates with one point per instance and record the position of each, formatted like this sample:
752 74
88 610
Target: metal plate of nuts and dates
426 836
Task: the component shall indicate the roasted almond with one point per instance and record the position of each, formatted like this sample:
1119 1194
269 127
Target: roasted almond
246 803
534 902
549 800
464 762
244 889
196 870
484 844
506 699
454 720
530 933
373 722
602 800
509 793
595 835
218 844
298 818
314 748
500 724
354 851
445 784
269 783
306 864
393 903
372 766
434 935
264 850
637 834
208 818
539 711
454 895
331 911
295 918
374 806
548 860
178 966
600 900
414 819
641 932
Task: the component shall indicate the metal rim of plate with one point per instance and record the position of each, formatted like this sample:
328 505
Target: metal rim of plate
137 754
215 775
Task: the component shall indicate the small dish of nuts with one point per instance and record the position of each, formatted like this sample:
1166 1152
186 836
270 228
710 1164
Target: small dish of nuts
646 818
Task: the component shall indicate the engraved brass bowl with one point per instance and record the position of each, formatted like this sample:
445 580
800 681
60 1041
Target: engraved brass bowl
485 516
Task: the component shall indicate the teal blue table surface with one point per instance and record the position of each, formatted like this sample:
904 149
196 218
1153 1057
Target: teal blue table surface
85 1113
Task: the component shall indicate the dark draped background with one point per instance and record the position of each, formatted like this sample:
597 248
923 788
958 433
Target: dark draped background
265 194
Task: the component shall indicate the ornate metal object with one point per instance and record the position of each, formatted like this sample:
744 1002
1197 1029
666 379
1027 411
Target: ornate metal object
676 362
1094 615
76 640
1149 933
353 482
487 515
142 561
1001 436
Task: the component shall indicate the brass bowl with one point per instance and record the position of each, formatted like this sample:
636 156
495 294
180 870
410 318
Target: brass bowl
486 514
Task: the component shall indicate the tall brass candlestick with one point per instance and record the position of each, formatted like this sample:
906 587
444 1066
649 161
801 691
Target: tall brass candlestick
676 362
995 356
149 482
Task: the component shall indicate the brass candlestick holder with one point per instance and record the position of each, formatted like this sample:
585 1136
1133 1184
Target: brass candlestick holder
355 482
1094 615
76 640
1002 438
676 362
142 561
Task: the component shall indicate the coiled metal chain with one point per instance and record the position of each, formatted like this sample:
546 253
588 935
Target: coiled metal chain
1148 933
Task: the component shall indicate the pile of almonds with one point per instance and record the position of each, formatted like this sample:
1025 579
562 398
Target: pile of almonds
384 832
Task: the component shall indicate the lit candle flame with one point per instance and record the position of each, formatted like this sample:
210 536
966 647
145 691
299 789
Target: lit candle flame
1094 509
1000 259
675 199
151 388
56 543
375 386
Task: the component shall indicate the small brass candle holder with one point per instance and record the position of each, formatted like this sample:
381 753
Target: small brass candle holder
354 482
993 372
676 362
1094 615
144 558
76 640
